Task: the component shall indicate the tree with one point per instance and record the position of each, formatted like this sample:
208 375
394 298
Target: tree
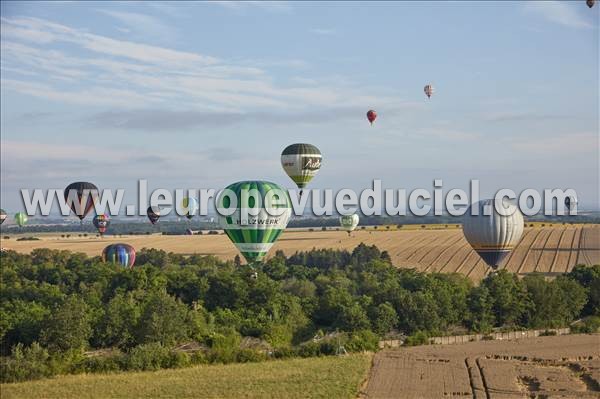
510 302
68 326
163 320
385 318
589 278
480 304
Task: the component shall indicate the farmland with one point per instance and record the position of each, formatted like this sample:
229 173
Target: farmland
549 367
549 249
331 377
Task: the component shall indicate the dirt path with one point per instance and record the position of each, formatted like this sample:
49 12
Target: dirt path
544 367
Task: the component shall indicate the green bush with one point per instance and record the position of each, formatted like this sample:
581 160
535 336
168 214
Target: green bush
250 356
151 356
360 341
547 333
418 338
104 364
589 325
26 363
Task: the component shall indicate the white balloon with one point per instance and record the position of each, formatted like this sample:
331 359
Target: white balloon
495 231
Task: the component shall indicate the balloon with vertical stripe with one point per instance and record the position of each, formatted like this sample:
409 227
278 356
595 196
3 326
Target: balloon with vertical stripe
123 254
494 231
21 219
101 222
253 224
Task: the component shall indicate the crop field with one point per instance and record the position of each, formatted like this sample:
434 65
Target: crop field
549 249
544 367
327 377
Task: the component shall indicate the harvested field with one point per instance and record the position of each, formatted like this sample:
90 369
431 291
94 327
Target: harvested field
546 249
545 367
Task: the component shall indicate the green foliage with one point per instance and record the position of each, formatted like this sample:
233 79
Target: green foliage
589 325
133 318
68 326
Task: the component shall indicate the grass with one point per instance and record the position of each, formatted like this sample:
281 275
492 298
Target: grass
325 377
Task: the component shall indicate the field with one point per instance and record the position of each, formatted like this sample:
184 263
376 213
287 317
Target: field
544 367
549 249
328 377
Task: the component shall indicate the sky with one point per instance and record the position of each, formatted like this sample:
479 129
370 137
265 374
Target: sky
200 95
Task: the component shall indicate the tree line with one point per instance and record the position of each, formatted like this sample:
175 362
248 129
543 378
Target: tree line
64 312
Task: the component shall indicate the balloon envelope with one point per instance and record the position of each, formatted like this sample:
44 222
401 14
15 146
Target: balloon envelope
349 222
21 219
254 234
301 162
153 213
81 196
429 90
189 206
101 222
571 202
3 216
371 116
123 254
493 233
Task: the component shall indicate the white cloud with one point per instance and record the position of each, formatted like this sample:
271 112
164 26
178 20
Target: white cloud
562 145
559 12
99 70
142 24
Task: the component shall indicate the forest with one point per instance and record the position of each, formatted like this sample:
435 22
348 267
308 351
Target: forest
64 312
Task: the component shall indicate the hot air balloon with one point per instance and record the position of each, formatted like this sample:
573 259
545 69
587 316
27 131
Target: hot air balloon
101 222
124 254
301 162
254 235
493 235
86 194
2 215
153 213
20 219
590 3
371 116
429 90
571 203
348 223
189 206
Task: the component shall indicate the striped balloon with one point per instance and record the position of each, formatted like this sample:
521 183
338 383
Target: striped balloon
429 90
81 196
124 254
254 226
21 219
493 234
349 222
101 222
2 216
301 162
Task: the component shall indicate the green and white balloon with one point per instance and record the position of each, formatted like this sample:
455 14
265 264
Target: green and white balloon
301 162
348 223
253 215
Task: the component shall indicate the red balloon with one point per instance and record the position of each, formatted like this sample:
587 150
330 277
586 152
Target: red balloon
371 116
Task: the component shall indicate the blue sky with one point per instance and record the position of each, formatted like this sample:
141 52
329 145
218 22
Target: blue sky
199 95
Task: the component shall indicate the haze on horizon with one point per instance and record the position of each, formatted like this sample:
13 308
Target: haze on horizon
199 95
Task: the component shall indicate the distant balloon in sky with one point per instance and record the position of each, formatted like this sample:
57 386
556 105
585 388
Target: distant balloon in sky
571 202
493 234
301 162
83 197
254 234
3 215
429 90
590 3
123 254
21 219
348 223
101 222
371 116
189 205
153 213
